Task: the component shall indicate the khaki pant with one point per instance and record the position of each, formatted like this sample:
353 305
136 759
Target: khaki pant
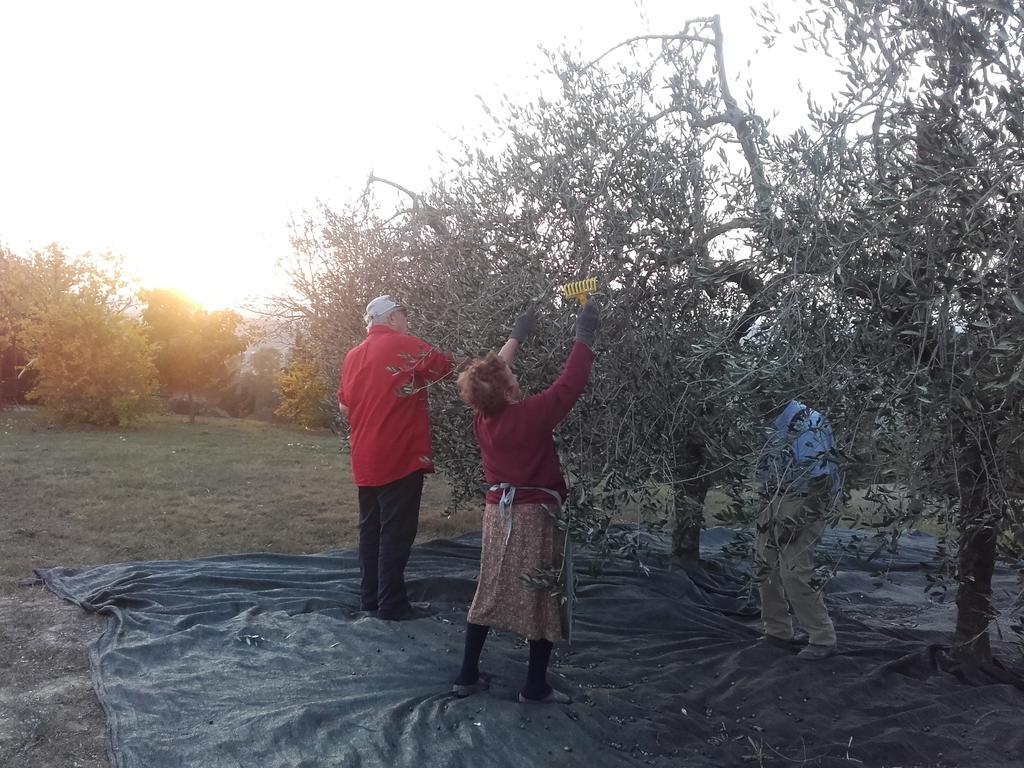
788 531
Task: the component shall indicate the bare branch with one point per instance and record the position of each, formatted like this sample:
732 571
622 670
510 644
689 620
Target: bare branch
432 215
679 36
739 121
378 180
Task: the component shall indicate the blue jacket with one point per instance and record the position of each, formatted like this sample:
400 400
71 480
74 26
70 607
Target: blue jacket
800 449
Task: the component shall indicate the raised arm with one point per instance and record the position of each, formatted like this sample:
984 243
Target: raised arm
520 332
431 365
508 351
555 402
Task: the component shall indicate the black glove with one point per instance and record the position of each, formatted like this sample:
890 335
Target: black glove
587 323
525 324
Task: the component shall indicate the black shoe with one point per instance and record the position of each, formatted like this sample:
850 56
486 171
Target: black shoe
794 643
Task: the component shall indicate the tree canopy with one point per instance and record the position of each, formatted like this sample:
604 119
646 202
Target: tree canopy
868 264
192 345
68 319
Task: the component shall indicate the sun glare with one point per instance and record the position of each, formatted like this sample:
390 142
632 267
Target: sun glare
229 280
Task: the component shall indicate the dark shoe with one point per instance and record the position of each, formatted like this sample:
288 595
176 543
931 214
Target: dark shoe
816 652
794 643
553 697
483 682
411 612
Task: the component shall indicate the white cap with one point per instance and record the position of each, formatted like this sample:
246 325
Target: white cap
381 307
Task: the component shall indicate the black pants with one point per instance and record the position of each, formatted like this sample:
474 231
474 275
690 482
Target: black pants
388 518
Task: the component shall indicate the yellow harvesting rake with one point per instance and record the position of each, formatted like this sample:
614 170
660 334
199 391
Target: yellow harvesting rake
580 289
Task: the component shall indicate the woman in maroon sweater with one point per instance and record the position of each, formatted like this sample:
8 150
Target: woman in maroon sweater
526 486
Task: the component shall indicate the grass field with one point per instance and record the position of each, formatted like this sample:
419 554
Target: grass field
168 490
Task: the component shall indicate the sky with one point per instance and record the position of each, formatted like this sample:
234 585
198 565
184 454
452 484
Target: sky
185 136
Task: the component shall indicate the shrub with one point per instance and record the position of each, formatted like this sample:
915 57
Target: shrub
95 366
306 397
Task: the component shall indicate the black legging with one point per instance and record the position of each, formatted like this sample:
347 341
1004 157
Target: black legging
536 673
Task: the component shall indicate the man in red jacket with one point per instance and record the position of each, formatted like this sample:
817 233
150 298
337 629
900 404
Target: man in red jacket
383 393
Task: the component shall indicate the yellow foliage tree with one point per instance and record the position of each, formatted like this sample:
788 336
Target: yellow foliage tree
94 363
306 396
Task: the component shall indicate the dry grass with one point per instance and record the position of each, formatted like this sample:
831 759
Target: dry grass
168 490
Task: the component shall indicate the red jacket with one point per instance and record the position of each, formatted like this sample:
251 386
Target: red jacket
383 386
517 445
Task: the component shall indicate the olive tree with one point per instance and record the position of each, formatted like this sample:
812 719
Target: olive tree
909 197
624 170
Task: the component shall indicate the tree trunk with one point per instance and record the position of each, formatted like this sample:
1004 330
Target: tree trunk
974 595
688 521
689 489
191 408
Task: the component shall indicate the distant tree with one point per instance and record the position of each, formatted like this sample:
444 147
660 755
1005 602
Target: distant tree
27 282
258 381
192 346
305 394
15 300
94 364
266 362
232 396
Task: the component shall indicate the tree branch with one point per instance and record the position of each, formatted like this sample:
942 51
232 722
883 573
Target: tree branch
603 186
700 242
432 215
738 119
378 180
679 36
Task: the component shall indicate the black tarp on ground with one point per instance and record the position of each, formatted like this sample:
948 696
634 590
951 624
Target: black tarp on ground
257 660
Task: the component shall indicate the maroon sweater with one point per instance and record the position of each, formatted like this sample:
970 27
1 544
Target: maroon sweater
517 445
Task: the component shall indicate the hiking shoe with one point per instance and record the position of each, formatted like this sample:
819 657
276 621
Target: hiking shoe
816 652
462 691
552 697
794 643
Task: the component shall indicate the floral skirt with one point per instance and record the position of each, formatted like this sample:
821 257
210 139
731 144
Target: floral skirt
502 599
